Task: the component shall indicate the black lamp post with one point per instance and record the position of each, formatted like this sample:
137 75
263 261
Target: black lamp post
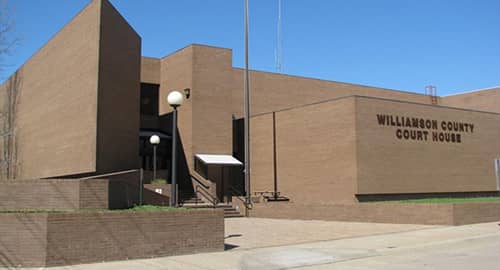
175 99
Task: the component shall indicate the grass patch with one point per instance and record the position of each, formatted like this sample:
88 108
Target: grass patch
159 181
452 200
137 208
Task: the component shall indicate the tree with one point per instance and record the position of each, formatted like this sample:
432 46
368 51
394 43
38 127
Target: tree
9 98
7 38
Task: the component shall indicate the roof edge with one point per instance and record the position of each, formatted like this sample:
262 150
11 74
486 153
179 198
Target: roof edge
472 91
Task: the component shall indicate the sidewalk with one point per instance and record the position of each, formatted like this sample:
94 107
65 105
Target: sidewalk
357 246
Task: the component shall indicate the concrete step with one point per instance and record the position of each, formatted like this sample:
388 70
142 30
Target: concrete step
229 210
192 201
233 216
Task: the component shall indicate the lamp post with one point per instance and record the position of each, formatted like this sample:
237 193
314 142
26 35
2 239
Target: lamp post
154 140
246 108
175 99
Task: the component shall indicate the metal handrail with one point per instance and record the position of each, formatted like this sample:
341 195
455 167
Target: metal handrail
263 193
199 181
235 191
238 196
271 195
109 174
212 199
202 189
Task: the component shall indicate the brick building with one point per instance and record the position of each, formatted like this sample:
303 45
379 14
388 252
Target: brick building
86 103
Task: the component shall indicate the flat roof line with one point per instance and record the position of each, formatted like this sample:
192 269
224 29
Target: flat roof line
472 91
379 98
192 45
150 57
332 81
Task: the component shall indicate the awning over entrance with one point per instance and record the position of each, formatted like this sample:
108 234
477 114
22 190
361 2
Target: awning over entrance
218 159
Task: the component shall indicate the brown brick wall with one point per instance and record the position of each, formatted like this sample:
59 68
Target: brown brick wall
78 104
316 159
150 70
56 116
61 194
433 214
261 154
118 97
40 240
482 100
177 74
323 157
93 193
387 164
35 194
273 92
212 118
316 152
117 192
23 239
476 212
74 238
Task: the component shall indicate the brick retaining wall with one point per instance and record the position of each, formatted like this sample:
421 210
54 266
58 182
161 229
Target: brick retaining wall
39 240
475 212
59 194
416 213
23 239
117 192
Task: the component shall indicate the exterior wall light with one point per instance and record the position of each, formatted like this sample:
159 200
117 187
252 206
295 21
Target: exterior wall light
187 92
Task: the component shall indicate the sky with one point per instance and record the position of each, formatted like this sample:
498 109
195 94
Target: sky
395 44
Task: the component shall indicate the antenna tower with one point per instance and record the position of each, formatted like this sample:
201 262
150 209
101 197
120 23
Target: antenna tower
279 46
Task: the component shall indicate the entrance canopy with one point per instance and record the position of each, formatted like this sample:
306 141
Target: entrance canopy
208 159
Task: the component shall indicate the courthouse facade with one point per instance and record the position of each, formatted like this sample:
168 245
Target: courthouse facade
86 103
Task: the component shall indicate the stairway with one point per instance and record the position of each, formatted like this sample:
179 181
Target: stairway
229 210
189 198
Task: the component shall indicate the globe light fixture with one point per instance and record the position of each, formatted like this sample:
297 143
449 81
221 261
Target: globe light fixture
175 99
154 140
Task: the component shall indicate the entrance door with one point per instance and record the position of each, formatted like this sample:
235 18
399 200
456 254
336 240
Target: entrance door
223 184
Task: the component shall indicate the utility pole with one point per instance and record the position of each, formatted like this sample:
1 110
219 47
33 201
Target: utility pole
248 201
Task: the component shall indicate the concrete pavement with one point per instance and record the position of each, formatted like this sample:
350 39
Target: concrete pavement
248 233
389 246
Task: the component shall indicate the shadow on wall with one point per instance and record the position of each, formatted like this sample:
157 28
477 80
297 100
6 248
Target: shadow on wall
183 173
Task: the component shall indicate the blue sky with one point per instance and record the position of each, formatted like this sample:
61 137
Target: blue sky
397 44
